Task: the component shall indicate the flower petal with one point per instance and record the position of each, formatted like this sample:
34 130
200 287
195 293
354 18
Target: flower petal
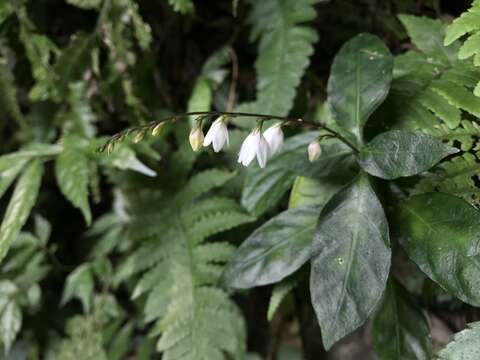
262 150
247 150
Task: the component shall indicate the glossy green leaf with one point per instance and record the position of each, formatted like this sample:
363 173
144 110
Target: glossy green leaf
359 82
397 153
263 188
20 204
465 346
275 250
440 234
72 170
350 260
400 329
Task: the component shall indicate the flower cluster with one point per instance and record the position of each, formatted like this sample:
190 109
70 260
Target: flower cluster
256 145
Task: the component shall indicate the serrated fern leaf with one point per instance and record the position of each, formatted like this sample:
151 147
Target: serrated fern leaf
457 177
467 23
279 293
284 50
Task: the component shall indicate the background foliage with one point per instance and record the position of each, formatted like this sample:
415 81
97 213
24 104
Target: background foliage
147 253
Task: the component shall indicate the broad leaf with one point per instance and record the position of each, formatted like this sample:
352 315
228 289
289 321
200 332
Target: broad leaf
465 346
264 188
440 234
80 285
359 82
72 170
275 250
307 191
400 329
21 203
397 153
350 260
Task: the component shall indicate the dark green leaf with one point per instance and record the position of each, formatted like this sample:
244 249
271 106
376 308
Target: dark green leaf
307 191
359 82
21 203
72 170
275 250
80 285
465 346
397 153
350 260
400 329
264 187
440 234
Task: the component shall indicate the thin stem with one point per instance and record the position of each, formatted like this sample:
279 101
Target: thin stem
262 117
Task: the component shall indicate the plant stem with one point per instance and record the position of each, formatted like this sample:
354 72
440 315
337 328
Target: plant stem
264 117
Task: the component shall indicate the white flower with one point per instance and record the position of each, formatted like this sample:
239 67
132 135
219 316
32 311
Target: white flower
254 145
314 151
217 134
196 138
274 137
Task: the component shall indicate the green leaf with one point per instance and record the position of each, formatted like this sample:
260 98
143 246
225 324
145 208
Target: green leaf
427 35
307 191
72 170
359 82
397 153
465 346
440 234
350 260
85 4
467 22
264 188
80 285
21 203
6 9
275 250
182 6
10 323
400 329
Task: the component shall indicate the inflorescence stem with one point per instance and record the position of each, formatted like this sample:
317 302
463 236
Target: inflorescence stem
140 130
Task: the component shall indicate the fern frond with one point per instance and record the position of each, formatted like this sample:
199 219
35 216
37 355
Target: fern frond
456 177
279 293
467 23
284 50
466 134
180 270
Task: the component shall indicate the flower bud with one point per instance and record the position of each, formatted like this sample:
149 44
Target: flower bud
314 151
139 136
196 138
157 129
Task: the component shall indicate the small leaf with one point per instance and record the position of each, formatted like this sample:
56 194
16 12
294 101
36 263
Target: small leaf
85 4
350 260
73 171
279 292
465 346
182 6
400 329
80 285
359 82
10 323
397 153
275 250
21 203
440 234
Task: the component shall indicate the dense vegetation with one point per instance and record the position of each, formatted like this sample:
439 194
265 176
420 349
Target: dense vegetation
352 231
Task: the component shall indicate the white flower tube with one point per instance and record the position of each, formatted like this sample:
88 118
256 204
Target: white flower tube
254 145
217 135
274 137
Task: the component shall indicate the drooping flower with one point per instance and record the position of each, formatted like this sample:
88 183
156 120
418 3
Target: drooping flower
196 138
253 146
314 151
217 135
274 137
